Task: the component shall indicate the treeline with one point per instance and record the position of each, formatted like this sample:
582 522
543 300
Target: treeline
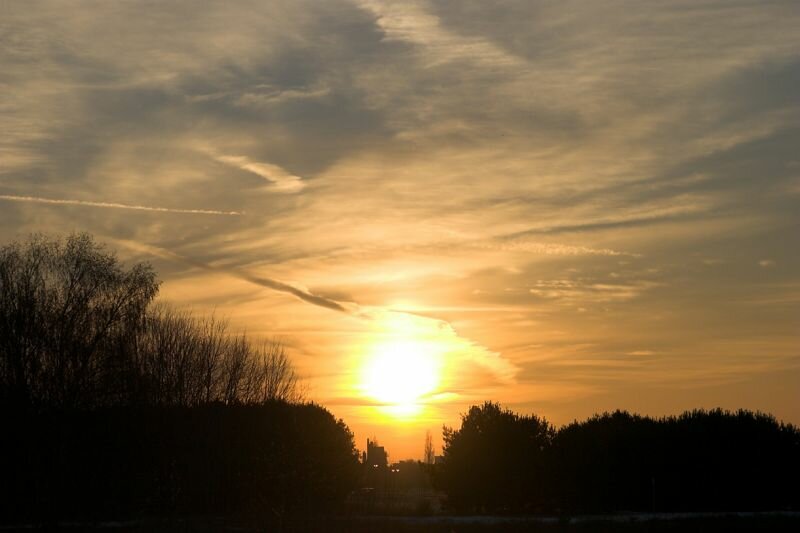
500 461
114 405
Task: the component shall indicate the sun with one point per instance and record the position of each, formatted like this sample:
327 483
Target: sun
399 374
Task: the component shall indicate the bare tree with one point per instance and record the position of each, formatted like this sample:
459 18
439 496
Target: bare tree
238 383
65 305
430 454
77 330
277 378
185 360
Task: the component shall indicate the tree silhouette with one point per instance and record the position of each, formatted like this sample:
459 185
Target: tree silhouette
79 331
495 461
181 359
66 308
429 455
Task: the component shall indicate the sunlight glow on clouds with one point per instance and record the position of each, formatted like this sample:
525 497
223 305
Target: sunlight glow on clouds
576 206
283 181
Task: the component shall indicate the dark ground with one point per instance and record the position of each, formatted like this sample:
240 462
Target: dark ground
633 523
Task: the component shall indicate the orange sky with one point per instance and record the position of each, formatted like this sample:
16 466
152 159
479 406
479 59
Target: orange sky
567 207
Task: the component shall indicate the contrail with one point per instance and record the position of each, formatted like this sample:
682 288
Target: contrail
56 201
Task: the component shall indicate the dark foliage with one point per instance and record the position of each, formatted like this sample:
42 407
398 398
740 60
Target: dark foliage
496 460
262 462
699 461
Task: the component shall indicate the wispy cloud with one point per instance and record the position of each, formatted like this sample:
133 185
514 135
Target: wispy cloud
548 248
642 353
461 349
518 173
300 292
282 180
582 291
412 23
269 283
115 205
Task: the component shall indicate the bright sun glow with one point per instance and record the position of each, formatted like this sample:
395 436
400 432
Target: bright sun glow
400 373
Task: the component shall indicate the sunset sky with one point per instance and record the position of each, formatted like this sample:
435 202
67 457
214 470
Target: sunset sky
567 207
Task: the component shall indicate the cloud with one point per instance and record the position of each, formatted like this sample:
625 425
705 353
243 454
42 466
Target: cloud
268 96
458 348
463 355
299 292
114 205
633 217
431 155
547 248
411 22
283 181
585 291
279 286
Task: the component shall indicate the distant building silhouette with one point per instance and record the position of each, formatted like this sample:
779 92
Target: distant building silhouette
376 465
376 456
